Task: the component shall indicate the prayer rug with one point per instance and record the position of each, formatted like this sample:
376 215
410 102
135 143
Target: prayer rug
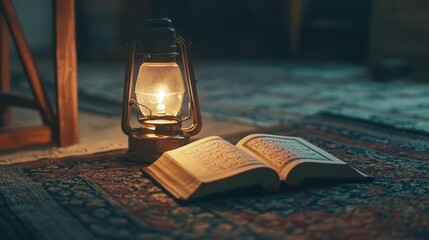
103 196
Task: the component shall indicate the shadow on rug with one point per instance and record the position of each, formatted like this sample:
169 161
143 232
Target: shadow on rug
104 196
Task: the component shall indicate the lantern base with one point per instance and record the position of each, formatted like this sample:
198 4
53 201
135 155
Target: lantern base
147 148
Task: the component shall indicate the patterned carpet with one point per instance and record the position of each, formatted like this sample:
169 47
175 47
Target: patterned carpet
270 93
102 196
273 93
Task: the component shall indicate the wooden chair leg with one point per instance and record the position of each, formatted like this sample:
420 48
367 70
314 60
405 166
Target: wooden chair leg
28 63
62 128
5 115
66 72
25 137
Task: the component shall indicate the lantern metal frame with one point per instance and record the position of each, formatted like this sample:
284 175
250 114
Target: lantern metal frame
154 137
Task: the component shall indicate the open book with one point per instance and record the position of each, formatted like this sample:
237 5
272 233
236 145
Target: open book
212 165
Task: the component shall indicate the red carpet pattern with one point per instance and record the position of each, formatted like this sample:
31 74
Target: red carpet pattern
103 196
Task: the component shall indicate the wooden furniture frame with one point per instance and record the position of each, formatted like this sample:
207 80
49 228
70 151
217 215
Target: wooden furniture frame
61 126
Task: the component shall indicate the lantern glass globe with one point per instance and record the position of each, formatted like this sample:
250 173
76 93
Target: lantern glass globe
159 89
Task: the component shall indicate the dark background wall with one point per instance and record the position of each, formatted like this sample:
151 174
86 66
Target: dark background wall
384 34
239 29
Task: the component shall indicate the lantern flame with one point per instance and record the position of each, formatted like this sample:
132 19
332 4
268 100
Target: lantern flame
160 97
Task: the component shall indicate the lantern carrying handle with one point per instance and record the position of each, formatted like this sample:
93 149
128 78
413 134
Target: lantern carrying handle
196 125
129 74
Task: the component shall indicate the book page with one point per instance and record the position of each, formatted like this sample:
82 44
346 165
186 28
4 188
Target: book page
212 158
279 151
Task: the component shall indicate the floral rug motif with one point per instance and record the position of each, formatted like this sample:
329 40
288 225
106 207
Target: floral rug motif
103 196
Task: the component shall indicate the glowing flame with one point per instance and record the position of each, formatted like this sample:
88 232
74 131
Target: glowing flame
160 98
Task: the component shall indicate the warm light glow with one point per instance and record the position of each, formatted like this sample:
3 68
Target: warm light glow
160 87
160 107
